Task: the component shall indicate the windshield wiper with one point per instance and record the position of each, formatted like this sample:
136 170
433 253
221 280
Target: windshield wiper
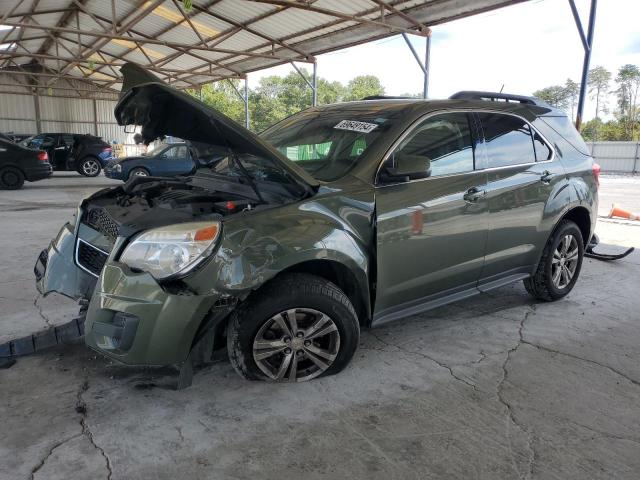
247 176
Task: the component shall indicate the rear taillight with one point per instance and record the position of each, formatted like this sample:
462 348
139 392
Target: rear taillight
43 157
596 173
107 149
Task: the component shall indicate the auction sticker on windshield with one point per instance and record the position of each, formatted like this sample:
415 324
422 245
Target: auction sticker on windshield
355 126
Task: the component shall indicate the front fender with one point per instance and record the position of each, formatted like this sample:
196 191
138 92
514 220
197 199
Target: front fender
267 243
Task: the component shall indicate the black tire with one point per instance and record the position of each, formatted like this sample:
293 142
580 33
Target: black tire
89 167
541 285
290 291
11 178
138 171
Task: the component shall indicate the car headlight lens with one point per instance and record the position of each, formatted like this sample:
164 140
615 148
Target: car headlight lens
174 249
117 167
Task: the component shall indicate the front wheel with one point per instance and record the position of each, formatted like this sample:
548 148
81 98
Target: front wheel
560 264
90 167
11 178
138 172
294 329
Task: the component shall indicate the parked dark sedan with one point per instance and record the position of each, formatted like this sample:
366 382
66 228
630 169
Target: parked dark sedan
86 154
164 161
18 163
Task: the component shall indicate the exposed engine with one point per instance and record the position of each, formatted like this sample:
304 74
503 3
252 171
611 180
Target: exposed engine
147 203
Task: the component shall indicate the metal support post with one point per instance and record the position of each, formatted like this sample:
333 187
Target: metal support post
315 84
244 97
36 105
95 117
246 102
424 67
587 43
312 84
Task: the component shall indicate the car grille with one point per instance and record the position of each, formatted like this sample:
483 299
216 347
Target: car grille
99 219
90 258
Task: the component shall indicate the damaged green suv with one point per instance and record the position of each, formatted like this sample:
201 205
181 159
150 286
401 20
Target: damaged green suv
284 245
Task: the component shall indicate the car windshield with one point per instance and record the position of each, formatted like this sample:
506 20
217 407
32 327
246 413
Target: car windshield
32 140
328 143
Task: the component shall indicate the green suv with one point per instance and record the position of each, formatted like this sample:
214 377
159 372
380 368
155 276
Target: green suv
339 217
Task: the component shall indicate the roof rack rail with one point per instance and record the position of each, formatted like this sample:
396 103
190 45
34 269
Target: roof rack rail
497 96
385 97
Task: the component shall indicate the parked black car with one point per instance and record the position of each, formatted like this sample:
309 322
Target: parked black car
18 163
86 154
15 137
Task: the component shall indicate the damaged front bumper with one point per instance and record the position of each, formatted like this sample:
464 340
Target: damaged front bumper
56 269
131 318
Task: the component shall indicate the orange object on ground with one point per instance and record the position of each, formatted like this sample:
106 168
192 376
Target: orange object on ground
616 211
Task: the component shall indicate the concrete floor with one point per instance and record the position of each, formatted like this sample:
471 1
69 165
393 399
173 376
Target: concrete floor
495 387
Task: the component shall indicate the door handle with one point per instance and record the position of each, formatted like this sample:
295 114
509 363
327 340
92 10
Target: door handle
546 176
474 194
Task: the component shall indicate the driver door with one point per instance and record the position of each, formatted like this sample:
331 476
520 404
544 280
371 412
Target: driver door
432 232
175 160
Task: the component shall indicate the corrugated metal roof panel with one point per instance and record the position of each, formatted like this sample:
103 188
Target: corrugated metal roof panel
240 41
289 21
351 7
310 32
241 10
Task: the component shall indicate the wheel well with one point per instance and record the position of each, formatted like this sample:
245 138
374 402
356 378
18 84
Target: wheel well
580 216
11 165
341 276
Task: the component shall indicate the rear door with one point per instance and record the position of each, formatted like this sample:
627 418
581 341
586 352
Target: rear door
521 173
431 233
61 150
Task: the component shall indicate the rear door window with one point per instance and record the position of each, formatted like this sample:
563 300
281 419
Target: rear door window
543 151
508 140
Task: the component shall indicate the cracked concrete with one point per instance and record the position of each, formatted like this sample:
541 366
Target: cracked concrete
494 387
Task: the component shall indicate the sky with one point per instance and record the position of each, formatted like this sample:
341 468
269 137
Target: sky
525 47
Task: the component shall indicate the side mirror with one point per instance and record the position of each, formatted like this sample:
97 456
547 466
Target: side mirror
403 167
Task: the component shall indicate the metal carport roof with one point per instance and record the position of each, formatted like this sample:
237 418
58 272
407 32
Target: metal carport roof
47 43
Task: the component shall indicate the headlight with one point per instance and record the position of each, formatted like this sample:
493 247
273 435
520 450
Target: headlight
170 250
117 167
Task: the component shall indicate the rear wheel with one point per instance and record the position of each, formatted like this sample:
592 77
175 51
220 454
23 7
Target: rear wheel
11 178
560 264
90 167
296 328
138 172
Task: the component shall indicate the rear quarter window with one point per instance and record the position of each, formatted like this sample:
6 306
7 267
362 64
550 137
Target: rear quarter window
565 128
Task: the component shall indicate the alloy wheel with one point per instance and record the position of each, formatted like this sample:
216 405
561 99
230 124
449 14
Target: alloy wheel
90 168
564 262
10 178
296 345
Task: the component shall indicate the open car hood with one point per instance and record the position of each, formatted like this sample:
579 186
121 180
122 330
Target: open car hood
161 110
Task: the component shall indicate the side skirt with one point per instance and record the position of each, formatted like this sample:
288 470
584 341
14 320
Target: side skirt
434 301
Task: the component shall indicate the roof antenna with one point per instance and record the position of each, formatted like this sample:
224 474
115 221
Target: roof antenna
502 88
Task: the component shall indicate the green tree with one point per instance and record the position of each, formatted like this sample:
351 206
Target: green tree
222 97
628 80
555 95
572 90
598 82
363 86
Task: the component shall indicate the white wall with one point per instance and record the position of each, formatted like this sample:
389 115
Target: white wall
59 112
617 156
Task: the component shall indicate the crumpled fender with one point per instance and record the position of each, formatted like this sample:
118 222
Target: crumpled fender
256 249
